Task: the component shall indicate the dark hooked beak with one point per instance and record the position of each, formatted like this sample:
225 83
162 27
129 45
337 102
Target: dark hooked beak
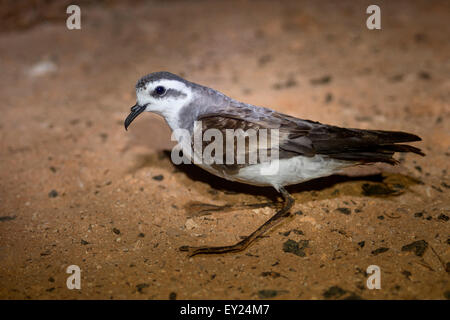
135 111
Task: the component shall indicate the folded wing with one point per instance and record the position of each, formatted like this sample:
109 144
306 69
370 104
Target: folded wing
308 138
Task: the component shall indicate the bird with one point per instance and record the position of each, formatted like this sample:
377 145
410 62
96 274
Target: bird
305 149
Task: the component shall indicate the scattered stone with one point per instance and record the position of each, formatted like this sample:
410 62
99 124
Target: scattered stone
379 250
74 121
264 59
396 78
418 247
141 235
45 253
271 274
296 248
381 217
103 136
287 233
265 294
140 287
443 217
420 37
51 279
84 242
159 177
116 231
424 75
334 292
173 296
7 218
287 84
322 80
407 274
343 210
418 214
53 194
362 244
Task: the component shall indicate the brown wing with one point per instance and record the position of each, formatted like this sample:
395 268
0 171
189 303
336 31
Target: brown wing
246 131
308 138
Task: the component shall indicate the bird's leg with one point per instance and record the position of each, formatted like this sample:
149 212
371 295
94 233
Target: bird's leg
198 209
276 219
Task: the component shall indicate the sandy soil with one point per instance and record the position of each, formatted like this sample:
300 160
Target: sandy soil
76 188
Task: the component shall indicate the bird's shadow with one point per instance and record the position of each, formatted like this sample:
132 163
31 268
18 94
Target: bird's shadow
375 185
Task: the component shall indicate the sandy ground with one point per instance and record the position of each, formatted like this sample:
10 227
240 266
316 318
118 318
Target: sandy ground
77 189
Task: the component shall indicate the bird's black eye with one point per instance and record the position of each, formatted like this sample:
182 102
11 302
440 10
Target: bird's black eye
160 90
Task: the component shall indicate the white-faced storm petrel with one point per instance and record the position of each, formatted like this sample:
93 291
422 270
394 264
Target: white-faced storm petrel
306 149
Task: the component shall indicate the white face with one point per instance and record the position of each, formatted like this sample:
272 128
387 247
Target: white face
164 97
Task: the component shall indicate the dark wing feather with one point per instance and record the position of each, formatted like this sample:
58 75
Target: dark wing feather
251 150
308 138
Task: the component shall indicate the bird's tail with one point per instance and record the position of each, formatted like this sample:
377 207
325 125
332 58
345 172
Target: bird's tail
369 146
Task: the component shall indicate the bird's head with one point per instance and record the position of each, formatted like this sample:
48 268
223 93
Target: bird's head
163 93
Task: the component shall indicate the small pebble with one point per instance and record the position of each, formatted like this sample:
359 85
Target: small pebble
346 211
53 194
379 250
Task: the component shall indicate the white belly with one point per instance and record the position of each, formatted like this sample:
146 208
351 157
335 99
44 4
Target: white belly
285 172
279 173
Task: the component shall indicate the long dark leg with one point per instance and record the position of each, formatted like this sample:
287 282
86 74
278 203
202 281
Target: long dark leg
198 209
276 219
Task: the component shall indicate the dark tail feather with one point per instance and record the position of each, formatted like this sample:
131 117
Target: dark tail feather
365 157
377 146
388 137
404 148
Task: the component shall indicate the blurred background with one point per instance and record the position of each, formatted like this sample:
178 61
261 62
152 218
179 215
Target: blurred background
76 188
